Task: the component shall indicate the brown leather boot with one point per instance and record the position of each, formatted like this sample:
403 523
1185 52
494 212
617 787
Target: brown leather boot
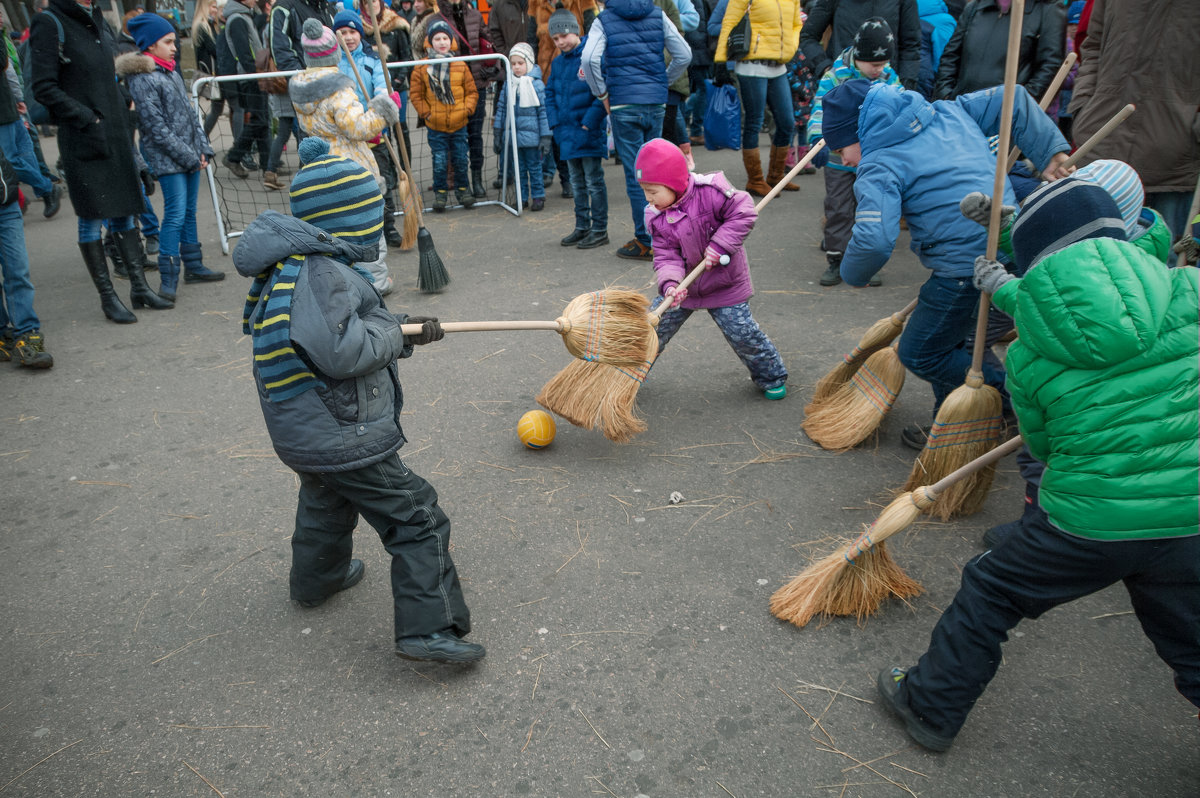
777 168
754 174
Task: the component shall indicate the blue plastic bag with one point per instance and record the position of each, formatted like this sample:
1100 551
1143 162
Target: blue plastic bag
722 118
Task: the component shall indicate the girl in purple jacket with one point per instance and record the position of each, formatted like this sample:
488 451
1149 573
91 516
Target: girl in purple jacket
694 218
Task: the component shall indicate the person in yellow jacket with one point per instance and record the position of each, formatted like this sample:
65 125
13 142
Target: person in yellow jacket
327 104
761 66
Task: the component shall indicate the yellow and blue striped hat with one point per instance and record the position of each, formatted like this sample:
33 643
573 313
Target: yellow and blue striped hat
336 194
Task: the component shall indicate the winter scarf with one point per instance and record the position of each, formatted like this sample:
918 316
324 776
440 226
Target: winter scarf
526 93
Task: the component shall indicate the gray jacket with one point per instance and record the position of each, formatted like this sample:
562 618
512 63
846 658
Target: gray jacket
172 138
344 333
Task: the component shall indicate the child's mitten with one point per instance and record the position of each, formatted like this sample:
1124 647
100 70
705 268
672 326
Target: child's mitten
977 207
990 275
383 105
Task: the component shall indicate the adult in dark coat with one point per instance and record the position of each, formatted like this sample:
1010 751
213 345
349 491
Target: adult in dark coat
974 57
843 18
76 82
508 24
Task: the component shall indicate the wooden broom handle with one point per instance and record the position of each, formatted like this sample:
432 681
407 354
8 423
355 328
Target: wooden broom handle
979 463
1016 18
363 88
658 312
558 325
1047 98
407 168
1099 135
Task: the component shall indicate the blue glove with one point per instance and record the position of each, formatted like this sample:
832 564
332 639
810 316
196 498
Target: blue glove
821 158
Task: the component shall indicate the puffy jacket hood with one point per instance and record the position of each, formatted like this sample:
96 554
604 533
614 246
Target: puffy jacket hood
891 116
274 236
1094 304
631 9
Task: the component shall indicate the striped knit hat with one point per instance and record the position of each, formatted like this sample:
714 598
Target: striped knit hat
1060 214
320 46
336 195
1123 184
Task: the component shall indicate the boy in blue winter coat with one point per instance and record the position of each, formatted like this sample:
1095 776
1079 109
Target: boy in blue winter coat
533 126
917 160
867 59
577 119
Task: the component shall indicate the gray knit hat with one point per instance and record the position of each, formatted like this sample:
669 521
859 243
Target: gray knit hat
562 21
320 45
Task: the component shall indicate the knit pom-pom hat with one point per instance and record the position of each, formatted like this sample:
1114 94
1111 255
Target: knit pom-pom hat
320 45
336 194
1122 184
660 161
348 18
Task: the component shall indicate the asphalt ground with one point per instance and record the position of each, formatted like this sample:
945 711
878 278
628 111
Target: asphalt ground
149 648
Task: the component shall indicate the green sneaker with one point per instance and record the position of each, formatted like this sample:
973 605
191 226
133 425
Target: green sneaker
31 348
778 392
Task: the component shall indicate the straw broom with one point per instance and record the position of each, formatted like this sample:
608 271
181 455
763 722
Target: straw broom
431 272
592 395
858 406
877 336
858 578
970 421
404 185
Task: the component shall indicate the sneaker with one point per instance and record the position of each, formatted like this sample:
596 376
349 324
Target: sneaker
385 287
151 245
31 349
439 201
567 191
888 685
250 164
778 392
238 169
538 203
271 181
439 647
832 275
465 197
53 201
6 346
393 238
1000 533
635 250
354 575
594 239
875 282
914 436
576 236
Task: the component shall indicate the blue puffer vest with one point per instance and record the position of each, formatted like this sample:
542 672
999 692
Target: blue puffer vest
634 68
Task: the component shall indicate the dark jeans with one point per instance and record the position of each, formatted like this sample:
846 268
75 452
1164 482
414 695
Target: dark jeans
633 126
933 344
1037 569
282 133
757 95
697 101
387 170
403 509
449 148
591 195
257 128
475 140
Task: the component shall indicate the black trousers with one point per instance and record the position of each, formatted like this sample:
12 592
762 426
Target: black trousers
403 509
1037 569
387 170
257 128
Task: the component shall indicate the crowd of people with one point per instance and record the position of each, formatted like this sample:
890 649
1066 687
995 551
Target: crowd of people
904 100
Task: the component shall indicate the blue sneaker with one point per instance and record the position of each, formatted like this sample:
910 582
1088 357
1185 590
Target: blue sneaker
888 684
776 393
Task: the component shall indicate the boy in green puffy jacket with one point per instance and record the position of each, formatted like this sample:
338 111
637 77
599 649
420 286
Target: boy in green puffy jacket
1104 381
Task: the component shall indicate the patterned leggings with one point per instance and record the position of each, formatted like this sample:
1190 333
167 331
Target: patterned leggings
743 334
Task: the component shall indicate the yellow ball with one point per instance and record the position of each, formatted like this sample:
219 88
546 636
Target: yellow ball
536 429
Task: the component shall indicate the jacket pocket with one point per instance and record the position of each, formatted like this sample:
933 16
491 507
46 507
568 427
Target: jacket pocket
93 142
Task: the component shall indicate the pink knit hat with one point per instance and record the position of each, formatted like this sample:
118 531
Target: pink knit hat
660 161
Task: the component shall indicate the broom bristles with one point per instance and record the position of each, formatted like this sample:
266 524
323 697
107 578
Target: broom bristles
877 336
611 326
575 393
856 410
431 272
619 416
968 426
858 578
408 238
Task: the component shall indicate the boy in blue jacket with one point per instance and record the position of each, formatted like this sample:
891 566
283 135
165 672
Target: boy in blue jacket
533 127
917 160
577 119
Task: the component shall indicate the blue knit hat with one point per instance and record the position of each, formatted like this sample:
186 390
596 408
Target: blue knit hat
1060 214
336 194
839 109
348 19
146 29
1122 184
1075 11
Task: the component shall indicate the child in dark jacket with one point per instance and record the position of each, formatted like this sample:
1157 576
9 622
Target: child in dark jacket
696 218
531 121
325 352
577 119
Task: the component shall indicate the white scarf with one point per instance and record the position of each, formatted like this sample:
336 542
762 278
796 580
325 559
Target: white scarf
526 93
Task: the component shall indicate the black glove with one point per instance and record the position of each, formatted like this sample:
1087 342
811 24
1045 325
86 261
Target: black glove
430 330
910 84
545 145
497 144
722 76
147 182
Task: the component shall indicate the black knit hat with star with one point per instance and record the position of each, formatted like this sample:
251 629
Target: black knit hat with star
874 41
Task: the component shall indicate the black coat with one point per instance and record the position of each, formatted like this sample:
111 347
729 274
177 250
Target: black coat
845 17
975 55
81 94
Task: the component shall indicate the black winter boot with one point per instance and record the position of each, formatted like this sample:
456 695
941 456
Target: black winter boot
110 249
140 293
194 270
477 187
97 266
833 273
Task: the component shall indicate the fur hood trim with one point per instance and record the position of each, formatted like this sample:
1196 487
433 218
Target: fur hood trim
318 86
134 64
